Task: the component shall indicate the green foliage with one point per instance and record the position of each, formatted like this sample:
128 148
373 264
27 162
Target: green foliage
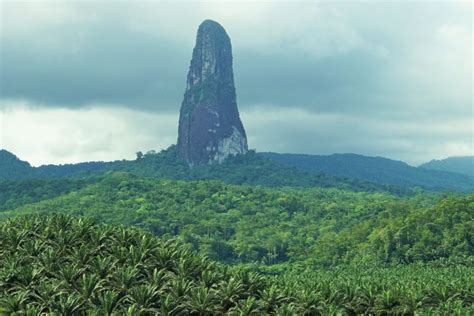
374 290
63 265
343 171
462 165
249 169
73 266
427 234
242 224
11 167
434 176
17 193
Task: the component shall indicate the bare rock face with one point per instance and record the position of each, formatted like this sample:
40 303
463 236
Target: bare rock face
210 128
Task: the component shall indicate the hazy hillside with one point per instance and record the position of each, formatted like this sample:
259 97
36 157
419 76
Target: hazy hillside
345 171
248 169
11 167
376 169
464 165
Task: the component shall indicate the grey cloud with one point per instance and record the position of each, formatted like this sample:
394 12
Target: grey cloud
338 57
331 84
108 67
391 79
301 131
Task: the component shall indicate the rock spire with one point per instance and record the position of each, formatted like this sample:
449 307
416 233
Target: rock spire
210 128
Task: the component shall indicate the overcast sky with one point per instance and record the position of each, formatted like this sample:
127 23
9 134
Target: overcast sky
100 80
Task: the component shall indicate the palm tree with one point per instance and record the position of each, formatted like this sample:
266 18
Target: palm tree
14 303
248 307
124 279
109 301
309 302
68 304
103 266
46 292
158 277
169 306
179 287
145 297
229 292
271 297
201 301
287 310
89 286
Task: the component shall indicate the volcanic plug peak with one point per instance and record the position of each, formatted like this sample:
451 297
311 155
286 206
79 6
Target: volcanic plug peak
210 128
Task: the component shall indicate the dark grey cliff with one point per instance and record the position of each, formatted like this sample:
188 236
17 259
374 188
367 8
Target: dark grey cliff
210 128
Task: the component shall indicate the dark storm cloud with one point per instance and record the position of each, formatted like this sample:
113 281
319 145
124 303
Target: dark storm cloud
137 71
108 63
333 83
377 78
328 58
98 64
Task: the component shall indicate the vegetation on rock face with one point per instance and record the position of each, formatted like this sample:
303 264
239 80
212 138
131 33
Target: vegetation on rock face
209 114
243 224
71 266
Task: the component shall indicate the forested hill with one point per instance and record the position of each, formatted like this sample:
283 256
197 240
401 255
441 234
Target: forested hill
345 171
463 165
378 170
250 169
11 167
231 223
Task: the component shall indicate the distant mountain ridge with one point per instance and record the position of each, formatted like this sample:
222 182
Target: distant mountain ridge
345 171
376 169
248 169
11 167
463 165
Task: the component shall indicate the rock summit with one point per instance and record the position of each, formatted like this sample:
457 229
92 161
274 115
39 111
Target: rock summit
210 129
